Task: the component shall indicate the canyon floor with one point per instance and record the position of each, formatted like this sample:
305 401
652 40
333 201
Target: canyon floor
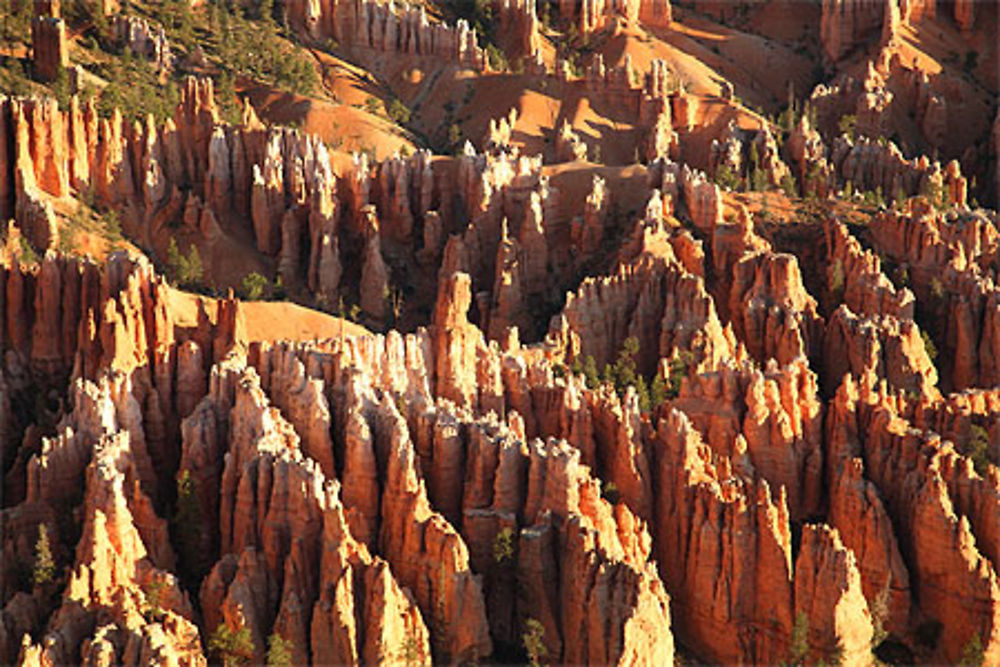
499 331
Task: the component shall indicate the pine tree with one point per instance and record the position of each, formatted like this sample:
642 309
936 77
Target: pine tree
590 374
176 264
231 647
195 270
973 654
187 525
657 391
503 545
45 565
279 651
798 648
534 641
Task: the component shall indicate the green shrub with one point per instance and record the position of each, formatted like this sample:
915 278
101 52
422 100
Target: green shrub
658 392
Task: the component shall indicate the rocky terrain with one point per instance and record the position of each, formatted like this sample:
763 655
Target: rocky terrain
512 331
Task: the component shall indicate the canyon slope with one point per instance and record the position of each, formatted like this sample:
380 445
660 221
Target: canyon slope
588 332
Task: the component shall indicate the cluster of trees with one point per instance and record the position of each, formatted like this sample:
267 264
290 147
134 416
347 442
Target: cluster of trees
623 374
754 179
185 271
134 87
977 448
235 647
15 22
254 48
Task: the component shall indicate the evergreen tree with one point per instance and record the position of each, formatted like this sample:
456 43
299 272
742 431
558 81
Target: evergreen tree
45 565
798 648
195 272
503 545
534 641
590 373
279 651
187 526
254 286
231 647
657 391
973 654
